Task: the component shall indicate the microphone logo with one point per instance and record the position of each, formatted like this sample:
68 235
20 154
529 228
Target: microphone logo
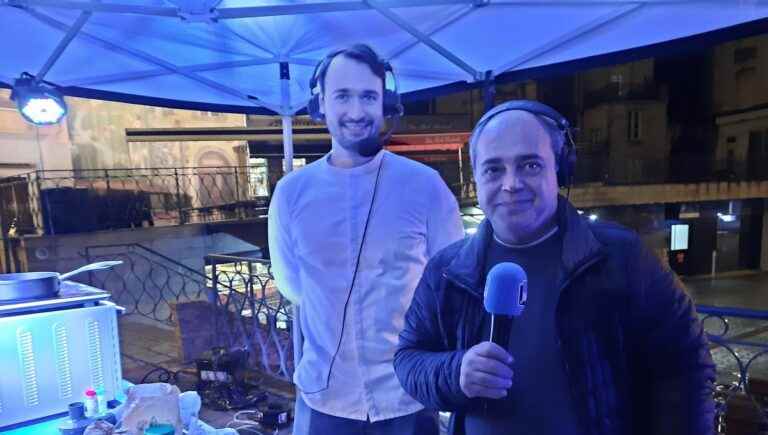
523 293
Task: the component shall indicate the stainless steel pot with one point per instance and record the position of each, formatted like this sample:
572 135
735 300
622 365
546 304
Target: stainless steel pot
41 285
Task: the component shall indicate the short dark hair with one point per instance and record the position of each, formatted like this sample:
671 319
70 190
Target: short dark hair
556 137
362 53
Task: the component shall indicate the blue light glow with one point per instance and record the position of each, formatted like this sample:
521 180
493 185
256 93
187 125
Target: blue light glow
726 217
43 110
39 103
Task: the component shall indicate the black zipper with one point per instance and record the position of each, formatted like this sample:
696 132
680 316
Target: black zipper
566 283
462 285
580 270
466 326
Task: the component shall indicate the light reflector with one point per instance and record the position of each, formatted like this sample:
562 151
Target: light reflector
38 103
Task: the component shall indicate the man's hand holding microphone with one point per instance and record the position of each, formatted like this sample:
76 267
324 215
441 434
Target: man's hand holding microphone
486 368
486 371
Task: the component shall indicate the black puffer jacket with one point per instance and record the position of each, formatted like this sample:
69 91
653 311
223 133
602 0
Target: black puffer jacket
633 348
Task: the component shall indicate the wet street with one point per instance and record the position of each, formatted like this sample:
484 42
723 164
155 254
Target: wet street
747 290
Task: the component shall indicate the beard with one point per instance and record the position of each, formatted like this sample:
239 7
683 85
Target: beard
365 144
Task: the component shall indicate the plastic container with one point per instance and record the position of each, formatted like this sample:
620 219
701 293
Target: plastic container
101 400
77 421
189 407
160 429
91 403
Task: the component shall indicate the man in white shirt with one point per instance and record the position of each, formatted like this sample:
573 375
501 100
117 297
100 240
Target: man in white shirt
349 236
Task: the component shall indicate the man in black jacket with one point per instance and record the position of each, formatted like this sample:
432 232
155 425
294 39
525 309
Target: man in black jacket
607 344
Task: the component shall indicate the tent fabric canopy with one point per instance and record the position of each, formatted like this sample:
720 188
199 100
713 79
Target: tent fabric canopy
227 55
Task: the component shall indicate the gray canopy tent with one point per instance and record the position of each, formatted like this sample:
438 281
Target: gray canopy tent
257 56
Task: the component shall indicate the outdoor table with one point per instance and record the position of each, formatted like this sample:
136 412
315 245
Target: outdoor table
50 426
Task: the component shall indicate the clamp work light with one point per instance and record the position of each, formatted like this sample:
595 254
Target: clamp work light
38 102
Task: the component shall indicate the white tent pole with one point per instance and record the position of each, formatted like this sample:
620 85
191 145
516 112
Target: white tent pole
426 40
71 33
156 72
116 8
287 143
155 60
285 95
571 36
324 7
409 45
461 170
231 12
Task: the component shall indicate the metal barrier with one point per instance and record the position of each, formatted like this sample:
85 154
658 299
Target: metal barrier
258 316
20 205
147 282
739 338
264 315
41 202
249 310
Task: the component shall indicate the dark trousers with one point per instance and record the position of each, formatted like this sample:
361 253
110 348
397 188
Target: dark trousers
307 421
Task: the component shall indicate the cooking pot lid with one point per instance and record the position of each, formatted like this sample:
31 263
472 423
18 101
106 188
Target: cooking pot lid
10 278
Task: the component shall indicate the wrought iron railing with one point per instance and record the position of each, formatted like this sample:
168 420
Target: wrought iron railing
42 201
250 312
616 91
257 316
147 283
739 339
262 314
20 211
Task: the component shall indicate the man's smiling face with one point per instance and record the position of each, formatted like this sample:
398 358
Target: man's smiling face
352 102
516 176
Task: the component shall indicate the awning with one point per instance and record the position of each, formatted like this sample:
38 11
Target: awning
406 143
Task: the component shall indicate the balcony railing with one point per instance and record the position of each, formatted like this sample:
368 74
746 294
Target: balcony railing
44 202
615 91
62 202
250 312
258 317
740 351
678 168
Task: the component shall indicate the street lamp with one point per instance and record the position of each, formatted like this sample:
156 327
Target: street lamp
727 217
37 102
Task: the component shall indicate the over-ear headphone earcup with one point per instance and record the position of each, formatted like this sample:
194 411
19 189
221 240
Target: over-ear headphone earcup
566 164
313 109
571 163
392 105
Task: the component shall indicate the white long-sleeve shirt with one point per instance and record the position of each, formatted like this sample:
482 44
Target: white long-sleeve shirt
316 222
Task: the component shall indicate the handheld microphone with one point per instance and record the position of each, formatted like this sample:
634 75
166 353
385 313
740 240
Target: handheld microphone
505 296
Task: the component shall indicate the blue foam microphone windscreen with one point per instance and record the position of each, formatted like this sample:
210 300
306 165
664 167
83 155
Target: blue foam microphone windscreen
506 290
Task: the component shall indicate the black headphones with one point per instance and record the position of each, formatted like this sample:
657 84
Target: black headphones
566 160
393 108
